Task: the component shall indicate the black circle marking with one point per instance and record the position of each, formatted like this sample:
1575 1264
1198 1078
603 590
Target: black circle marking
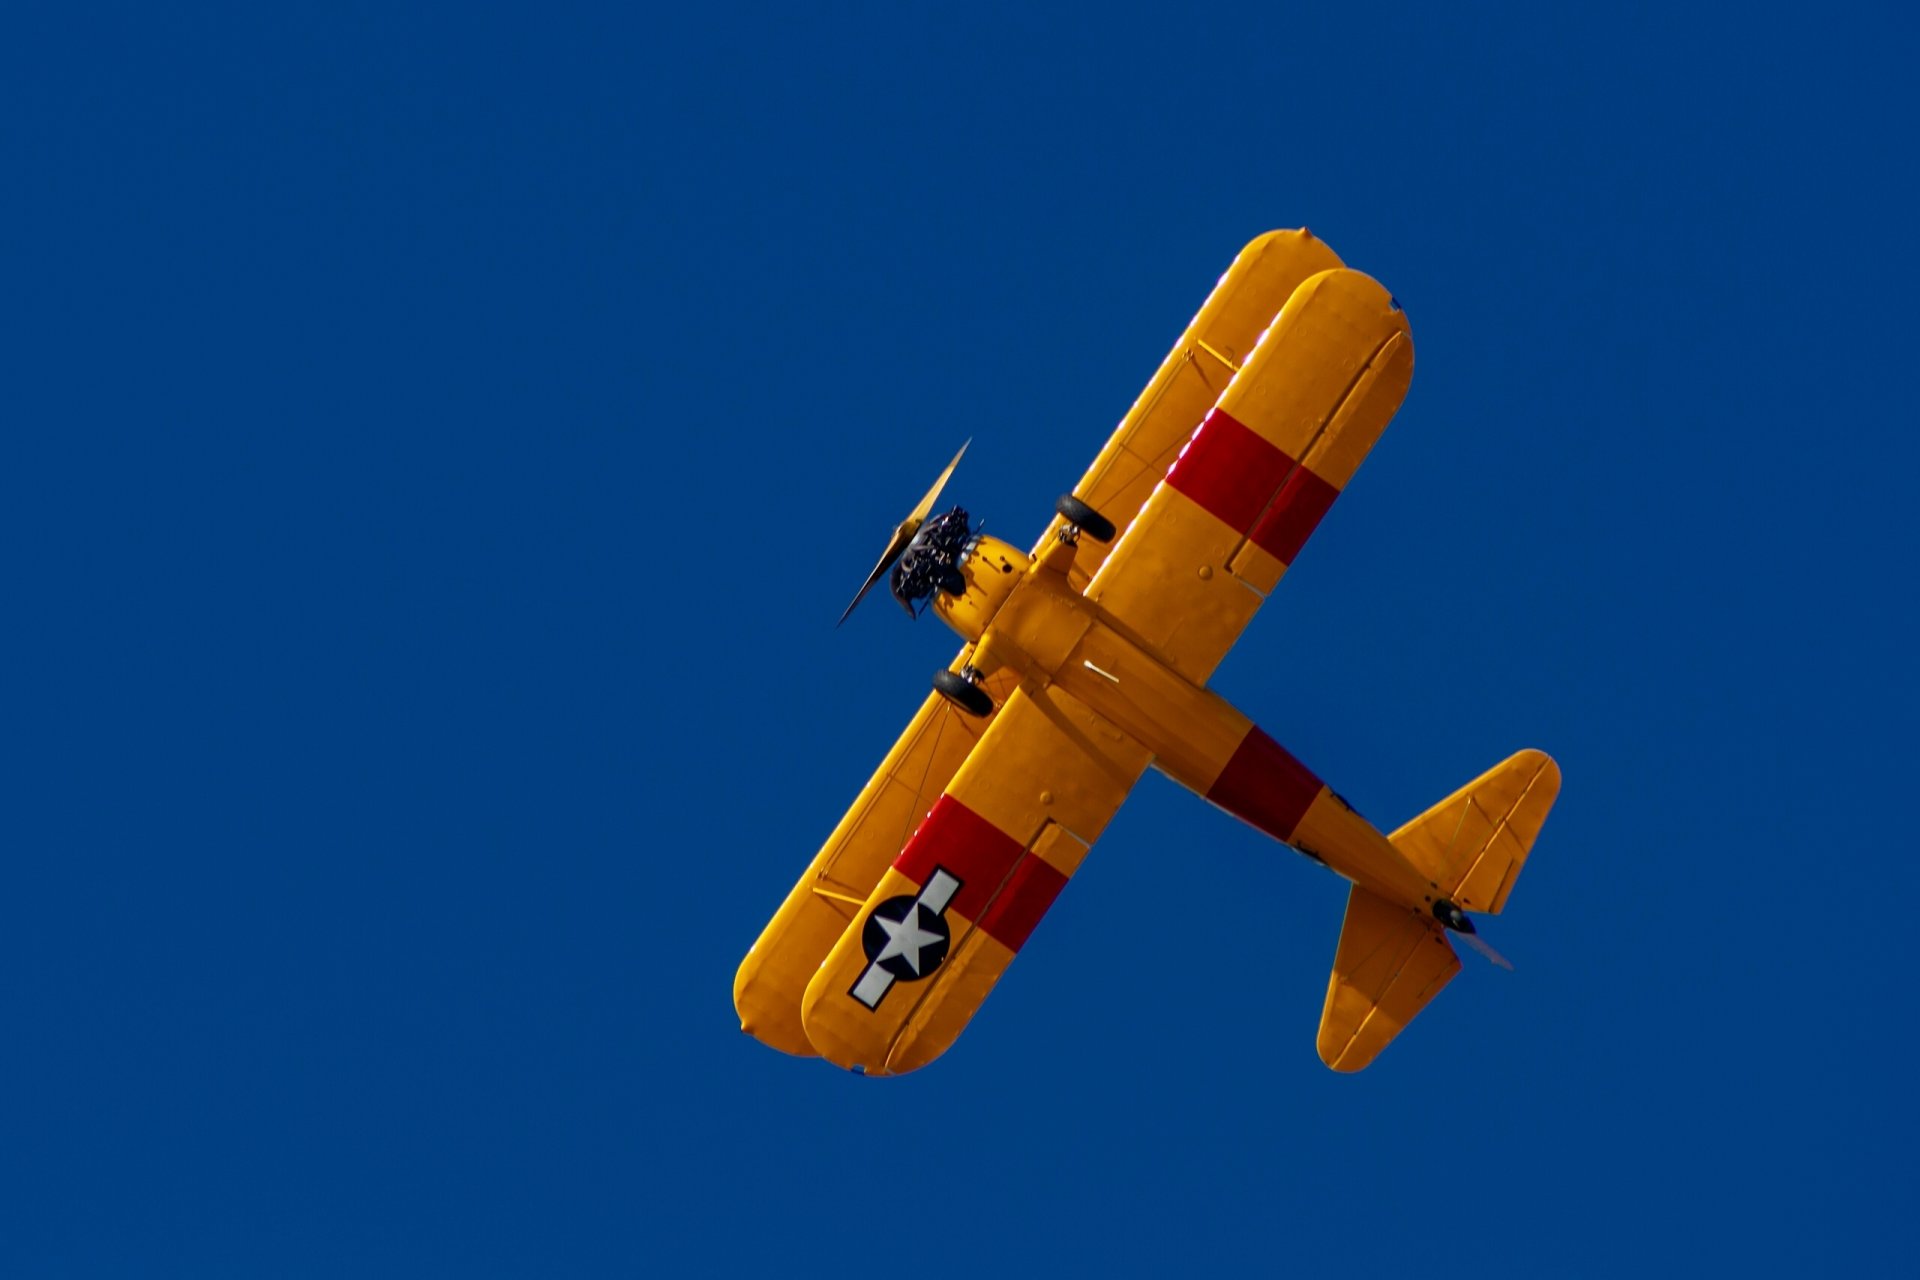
874 938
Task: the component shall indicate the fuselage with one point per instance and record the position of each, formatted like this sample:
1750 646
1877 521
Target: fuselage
1022 612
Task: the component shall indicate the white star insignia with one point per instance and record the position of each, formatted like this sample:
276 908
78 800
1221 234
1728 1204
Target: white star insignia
906 938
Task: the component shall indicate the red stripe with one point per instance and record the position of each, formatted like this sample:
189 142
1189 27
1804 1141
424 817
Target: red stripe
984 858
1294 515
1229 469
1265 786
1031 889
1251 485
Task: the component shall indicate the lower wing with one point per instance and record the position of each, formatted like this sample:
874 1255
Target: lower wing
830 893
947 918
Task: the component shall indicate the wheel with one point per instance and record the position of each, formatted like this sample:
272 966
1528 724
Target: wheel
1085 518
962 693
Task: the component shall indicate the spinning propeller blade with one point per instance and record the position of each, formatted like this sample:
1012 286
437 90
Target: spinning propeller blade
921 512
1478 944
904 531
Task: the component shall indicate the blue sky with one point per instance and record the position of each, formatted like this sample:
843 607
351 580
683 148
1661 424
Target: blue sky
438 446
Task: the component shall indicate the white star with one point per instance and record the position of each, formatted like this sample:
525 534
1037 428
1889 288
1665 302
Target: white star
905 938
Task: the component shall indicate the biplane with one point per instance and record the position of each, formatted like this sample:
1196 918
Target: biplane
1086 661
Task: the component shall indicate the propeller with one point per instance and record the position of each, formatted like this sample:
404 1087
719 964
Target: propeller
1479 944
904 531
1448 913
1452 916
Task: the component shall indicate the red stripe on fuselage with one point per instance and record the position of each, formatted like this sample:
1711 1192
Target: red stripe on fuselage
1263 785
1003 888
1251 485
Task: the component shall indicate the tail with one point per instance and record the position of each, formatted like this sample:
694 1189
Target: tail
1393 958
1473 843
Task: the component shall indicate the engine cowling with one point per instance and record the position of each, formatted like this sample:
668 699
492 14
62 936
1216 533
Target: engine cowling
992 569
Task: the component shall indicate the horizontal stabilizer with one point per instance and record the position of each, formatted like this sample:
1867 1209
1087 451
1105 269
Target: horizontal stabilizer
1473 843
1391 961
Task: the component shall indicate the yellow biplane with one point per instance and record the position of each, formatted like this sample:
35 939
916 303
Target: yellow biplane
1087 660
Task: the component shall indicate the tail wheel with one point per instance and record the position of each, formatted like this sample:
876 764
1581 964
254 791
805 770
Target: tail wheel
1085 518
963 693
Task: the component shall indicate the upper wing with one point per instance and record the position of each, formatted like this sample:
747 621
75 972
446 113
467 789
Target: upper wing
946 919
773 977
1248 489
1217 341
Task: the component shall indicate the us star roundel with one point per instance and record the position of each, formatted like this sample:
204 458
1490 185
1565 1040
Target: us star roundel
906 938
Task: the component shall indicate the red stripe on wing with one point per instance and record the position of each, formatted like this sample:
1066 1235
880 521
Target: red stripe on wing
1229 469
1031 889
1294 515
1251 485
984 859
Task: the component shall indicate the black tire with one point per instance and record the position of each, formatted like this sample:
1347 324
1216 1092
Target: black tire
1085 518
962 693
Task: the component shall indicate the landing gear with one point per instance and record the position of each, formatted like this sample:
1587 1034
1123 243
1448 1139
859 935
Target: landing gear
964 691
1085 518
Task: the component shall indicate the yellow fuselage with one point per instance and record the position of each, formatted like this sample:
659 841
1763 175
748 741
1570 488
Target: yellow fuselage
1021 612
